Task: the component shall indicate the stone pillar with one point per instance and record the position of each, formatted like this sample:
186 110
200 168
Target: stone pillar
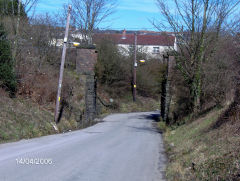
166 84
86 60
85 63
90 98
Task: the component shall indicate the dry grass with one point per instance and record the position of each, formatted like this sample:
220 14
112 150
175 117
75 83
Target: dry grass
142 104
198 151
125 104
30 114
40 85
23 119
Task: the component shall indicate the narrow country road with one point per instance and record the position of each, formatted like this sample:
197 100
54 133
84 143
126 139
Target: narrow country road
124 147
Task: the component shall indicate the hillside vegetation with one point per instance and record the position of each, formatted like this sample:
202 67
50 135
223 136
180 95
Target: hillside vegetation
200 150
24 119
202 127
206 148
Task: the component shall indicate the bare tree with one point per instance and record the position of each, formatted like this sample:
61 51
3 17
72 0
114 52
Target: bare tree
14 14
88 14
234 28
43 33
29 5
197 24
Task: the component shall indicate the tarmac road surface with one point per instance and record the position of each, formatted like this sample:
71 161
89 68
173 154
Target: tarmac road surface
124 147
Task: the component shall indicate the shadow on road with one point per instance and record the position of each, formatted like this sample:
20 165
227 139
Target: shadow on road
145 129
155 117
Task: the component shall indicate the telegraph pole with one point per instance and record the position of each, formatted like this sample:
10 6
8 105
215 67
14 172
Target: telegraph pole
135 67
62 65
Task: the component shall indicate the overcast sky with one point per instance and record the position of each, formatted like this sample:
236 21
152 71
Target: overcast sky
129 14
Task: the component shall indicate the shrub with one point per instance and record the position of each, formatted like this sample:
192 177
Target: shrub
149 78
112 69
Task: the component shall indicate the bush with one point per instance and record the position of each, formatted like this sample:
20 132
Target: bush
112 69
7 73
149 78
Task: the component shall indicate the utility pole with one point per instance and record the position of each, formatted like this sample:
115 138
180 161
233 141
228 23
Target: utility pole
135 67
56 117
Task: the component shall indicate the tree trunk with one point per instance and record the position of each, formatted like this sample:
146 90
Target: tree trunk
198 75
196 92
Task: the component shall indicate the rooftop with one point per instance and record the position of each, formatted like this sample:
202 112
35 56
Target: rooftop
161 40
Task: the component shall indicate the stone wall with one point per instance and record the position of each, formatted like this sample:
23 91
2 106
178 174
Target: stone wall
166 88
90 98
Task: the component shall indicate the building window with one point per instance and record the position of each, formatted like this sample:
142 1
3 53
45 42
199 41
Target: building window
156 50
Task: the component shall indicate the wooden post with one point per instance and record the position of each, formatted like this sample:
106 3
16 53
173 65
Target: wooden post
56 117
135 67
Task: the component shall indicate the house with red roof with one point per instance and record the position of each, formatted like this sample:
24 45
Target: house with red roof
154 45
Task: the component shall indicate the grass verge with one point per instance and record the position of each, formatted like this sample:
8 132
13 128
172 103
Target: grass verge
22 119
198 151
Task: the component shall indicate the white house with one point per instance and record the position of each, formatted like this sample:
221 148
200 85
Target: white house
154 45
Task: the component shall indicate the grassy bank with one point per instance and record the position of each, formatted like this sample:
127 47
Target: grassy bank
200 150
22 119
